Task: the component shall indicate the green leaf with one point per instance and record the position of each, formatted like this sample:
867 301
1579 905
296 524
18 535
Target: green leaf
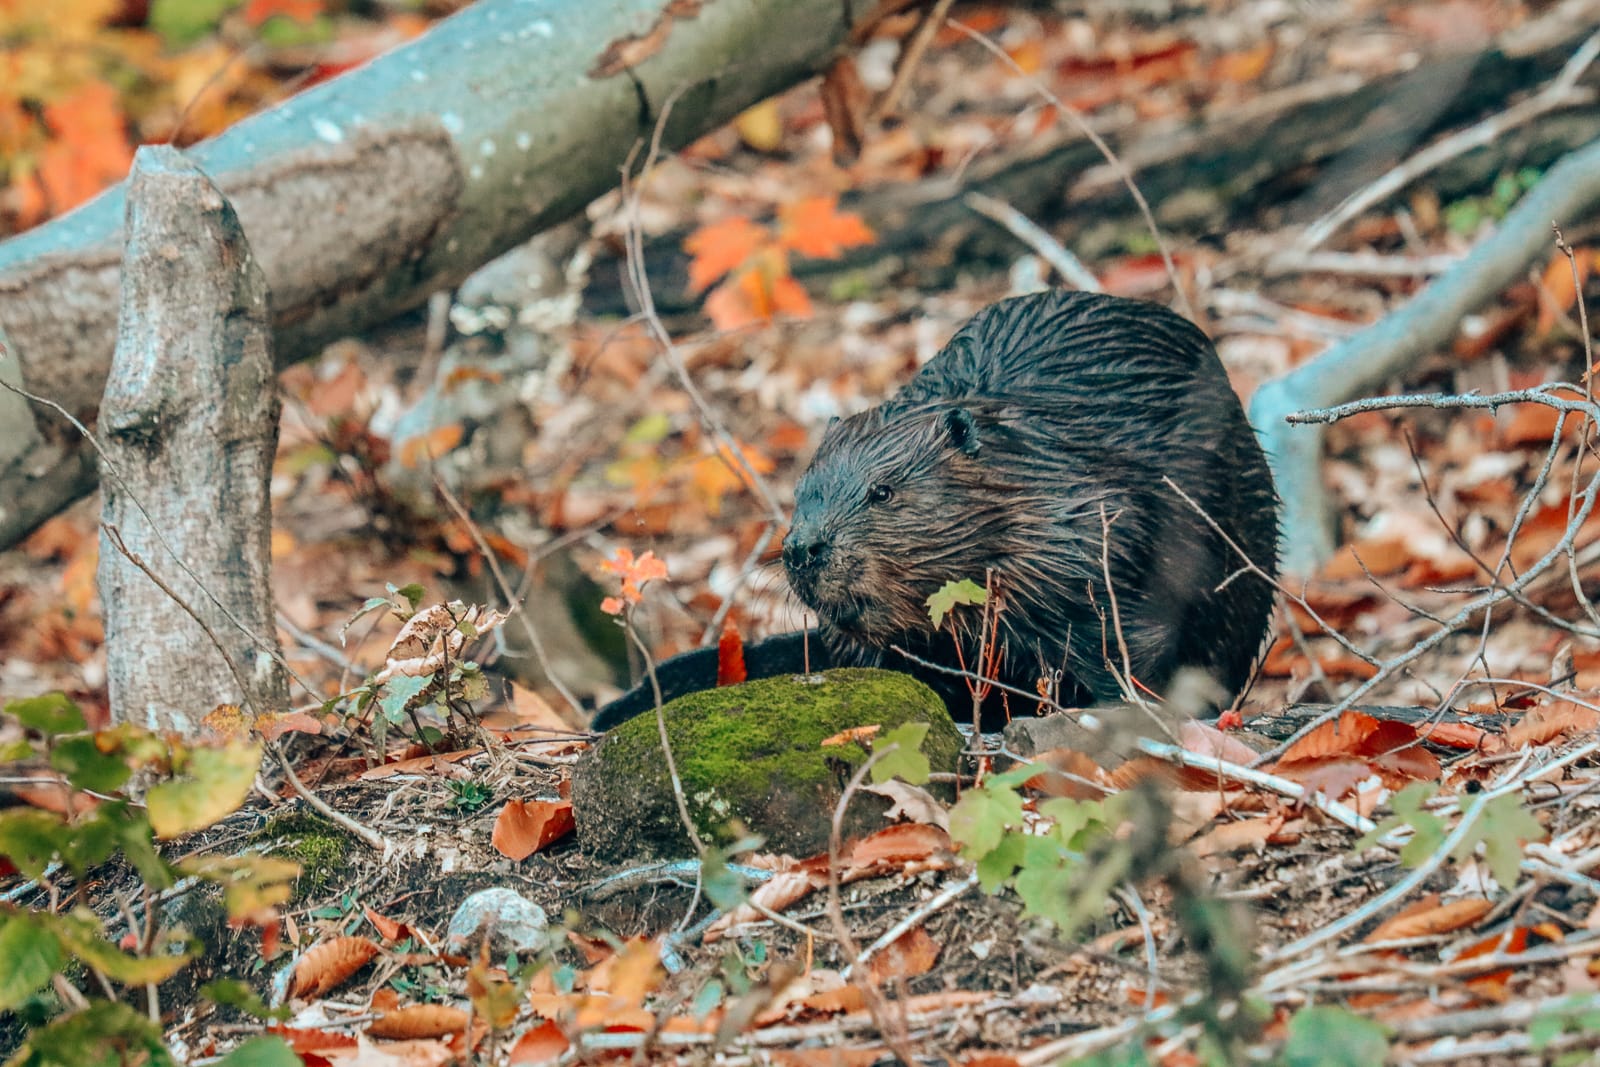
650 430
86 767
413 593
249 883
183 22
906 761
708 999
31 954
30 839
80 934
116 827
53 713
982 816
232 993
1503 827
105 1034
15 751
996 866
265 1051
1329 1036
942 602
216 782
398 693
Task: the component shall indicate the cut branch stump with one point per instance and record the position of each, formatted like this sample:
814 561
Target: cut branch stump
189 423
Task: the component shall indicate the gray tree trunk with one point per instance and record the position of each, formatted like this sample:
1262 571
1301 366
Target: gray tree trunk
366 194
189 425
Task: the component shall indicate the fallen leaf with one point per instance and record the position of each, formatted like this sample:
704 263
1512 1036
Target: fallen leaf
910 954
1428 917
419 1020
328 965
524 827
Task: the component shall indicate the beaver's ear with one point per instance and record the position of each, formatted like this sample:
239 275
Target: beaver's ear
963 430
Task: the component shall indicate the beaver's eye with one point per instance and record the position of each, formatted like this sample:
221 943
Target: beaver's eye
880 494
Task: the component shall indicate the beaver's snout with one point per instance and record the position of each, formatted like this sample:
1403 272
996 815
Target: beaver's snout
806 547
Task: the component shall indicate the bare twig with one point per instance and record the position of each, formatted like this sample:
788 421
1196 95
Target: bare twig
1088 131
1030 233
1560 93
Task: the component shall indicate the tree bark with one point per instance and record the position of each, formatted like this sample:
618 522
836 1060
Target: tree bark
190 427
366 194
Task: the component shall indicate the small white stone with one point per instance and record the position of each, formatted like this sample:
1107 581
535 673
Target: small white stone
328 131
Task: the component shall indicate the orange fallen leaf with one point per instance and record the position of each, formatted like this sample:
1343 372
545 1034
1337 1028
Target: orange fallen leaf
815 227
854 734
419 1020
524 827
1541 725
328 965
720 247
1428 917
387 928
910 954
420 448
538 1046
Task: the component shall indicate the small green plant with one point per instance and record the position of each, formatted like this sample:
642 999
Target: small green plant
468 796
1500 825
989 824
425 667
1577 1014
1466 215
44 945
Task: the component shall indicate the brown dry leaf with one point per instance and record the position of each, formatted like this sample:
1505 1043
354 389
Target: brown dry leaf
1493 984
433 636
328 965
843 106
531 709
1236 836
1455 734
523 827
1382 555
387 928
626 52
1558 293
910 954
426 447
1427 917
425 1052
911 803
1391 748
1541 725
836 1056
855 733
419 1020
899 844
1065 772
541 1045
437 762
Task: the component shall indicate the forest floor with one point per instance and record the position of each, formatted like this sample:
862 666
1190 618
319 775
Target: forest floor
1468 938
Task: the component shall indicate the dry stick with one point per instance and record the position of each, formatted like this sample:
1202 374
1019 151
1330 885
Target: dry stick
936 903
1129 895
639 282
370 837
1030 233
748 567
111 468
1469 815
672 765
895 1031
921 38
513 605
1562 92
1585 431
1484 602
1099 142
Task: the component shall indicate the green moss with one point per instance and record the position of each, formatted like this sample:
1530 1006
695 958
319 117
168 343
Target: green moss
311 841
751 755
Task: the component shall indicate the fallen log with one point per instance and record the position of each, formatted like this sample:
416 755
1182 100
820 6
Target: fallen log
366 194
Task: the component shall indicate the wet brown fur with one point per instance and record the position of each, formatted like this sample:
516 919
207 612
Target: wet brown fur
1046 418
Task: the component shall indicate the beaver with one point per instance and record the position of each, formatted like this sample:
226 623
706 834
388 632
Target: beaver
1033 453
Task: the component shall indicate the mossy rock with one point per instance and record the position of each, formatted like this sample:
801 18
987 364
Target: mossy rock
750 756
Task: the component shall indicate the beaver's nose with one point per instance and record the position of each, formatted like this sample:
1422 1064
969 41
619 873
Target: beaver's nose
805 547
